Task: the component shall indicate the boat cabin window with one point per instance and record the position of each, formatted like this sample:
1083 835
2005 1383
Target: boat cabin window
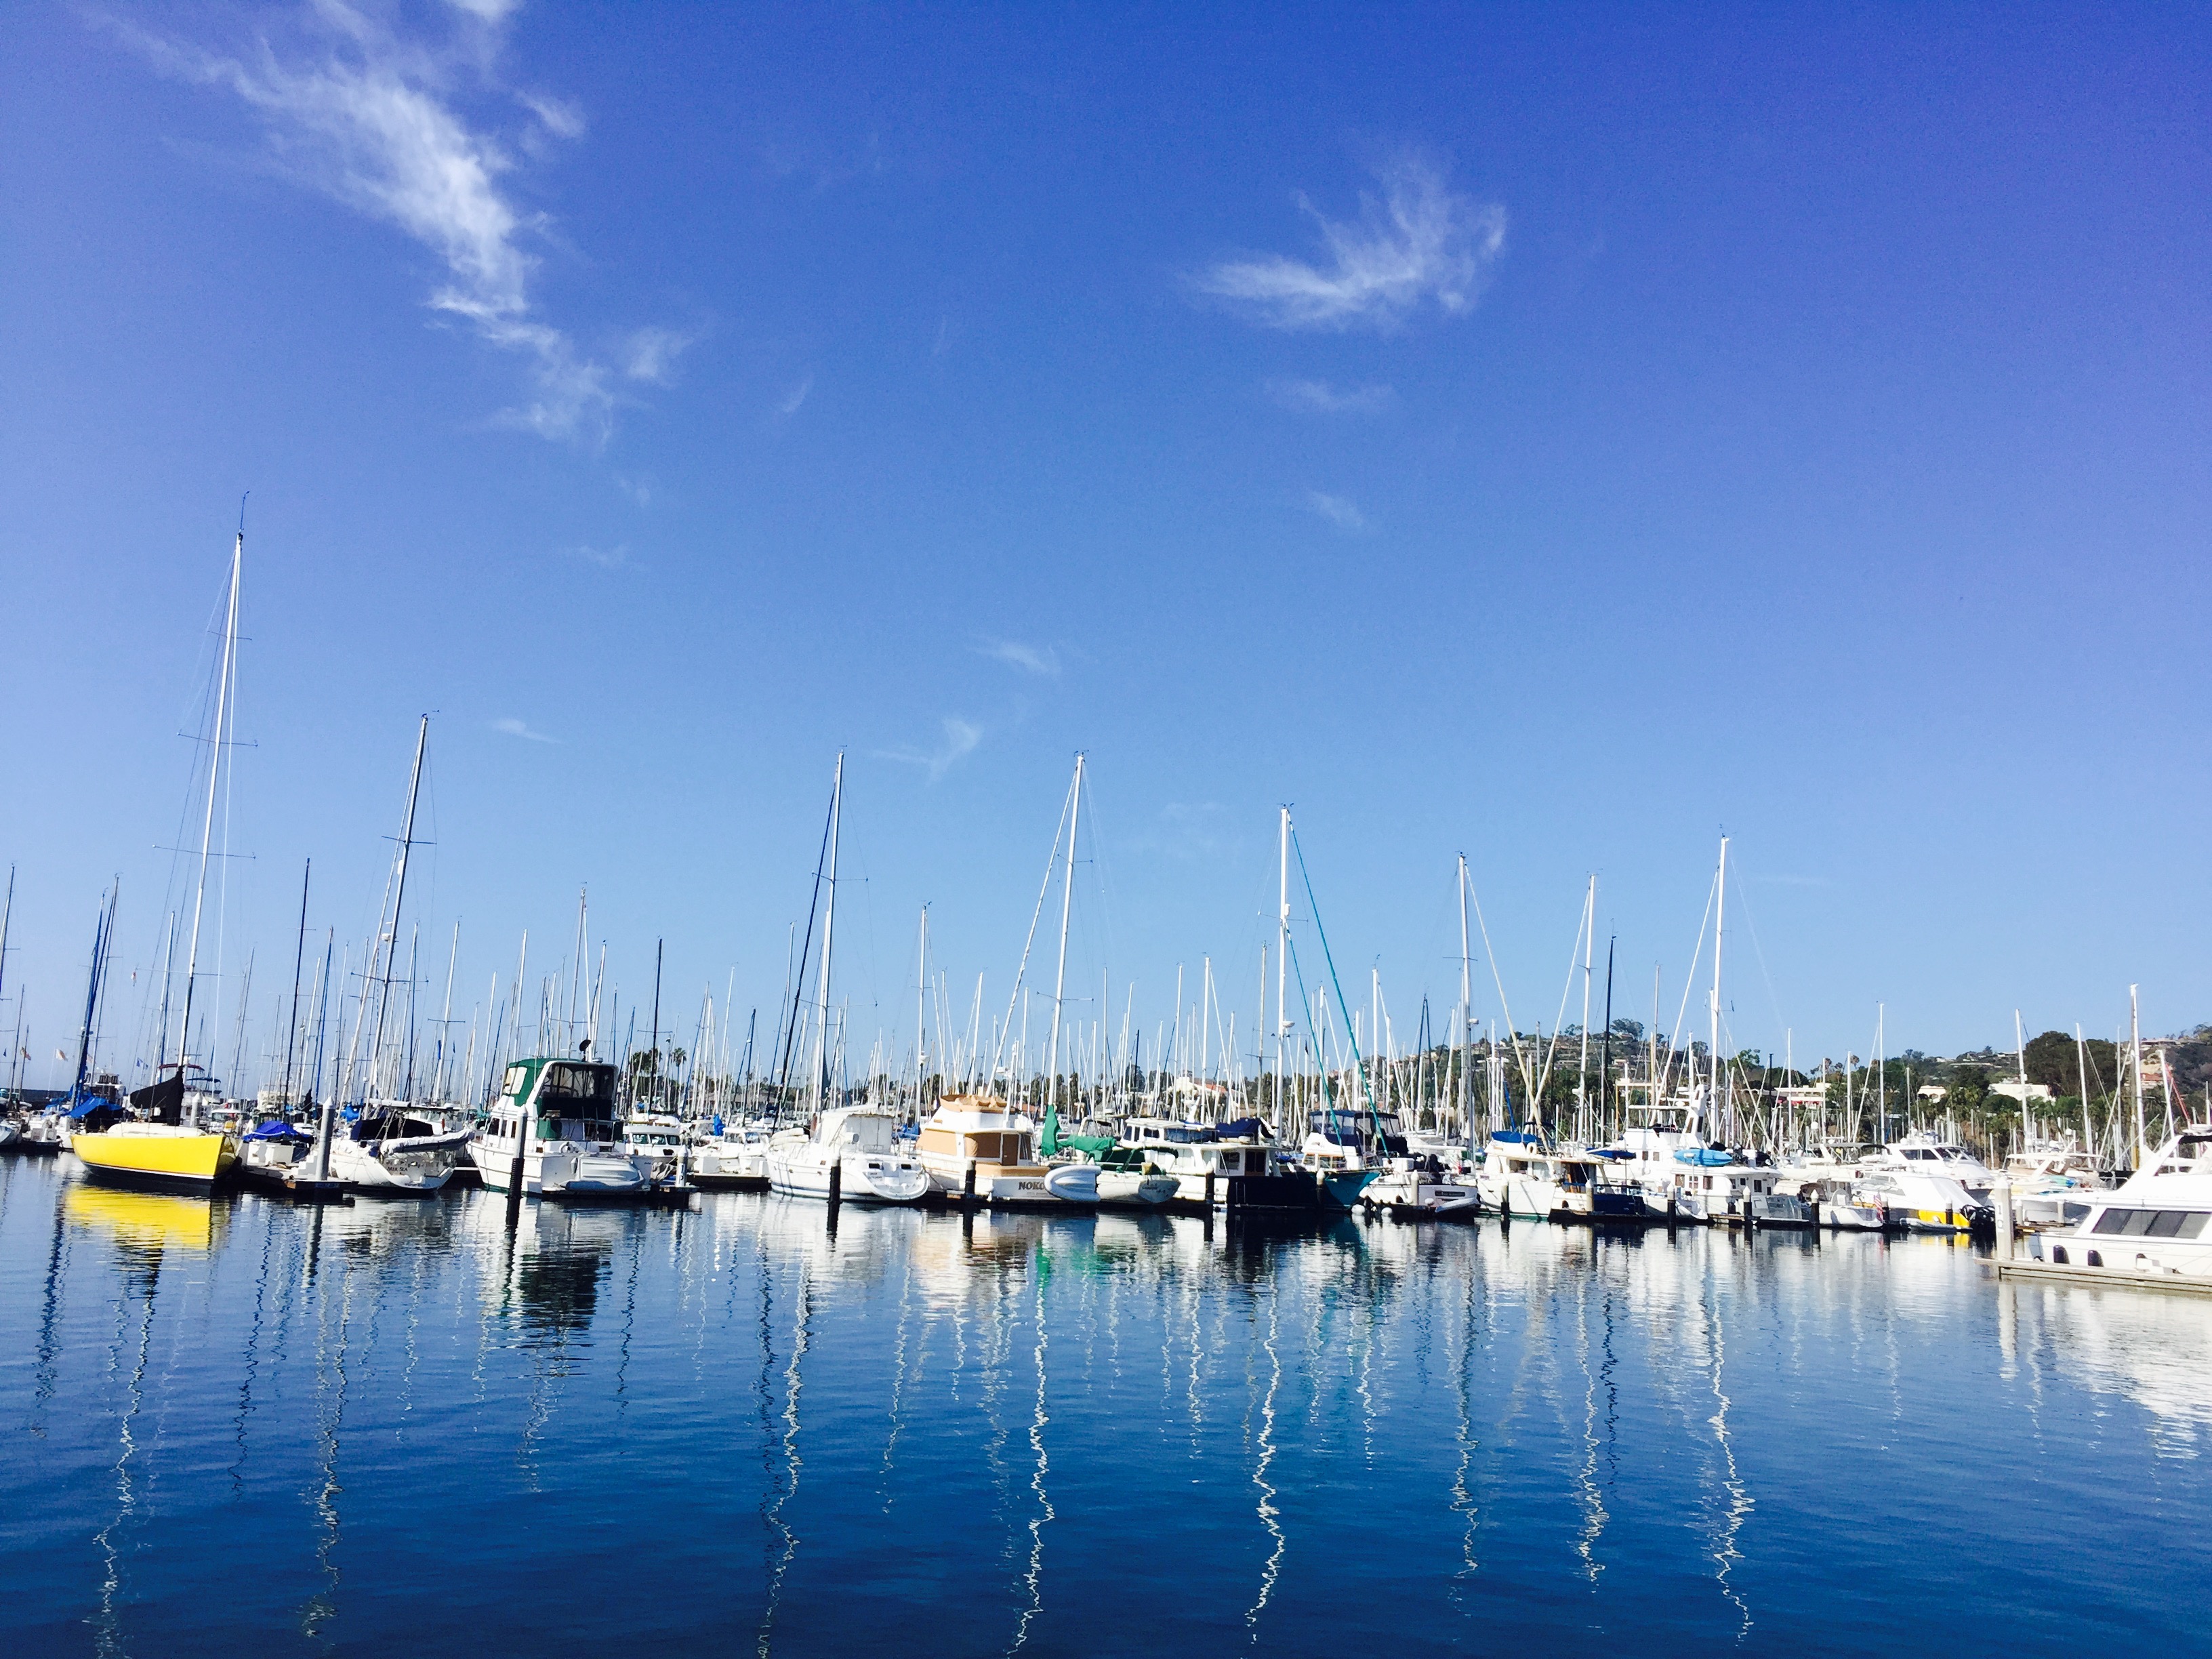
566 1084
517 1078
2152 1223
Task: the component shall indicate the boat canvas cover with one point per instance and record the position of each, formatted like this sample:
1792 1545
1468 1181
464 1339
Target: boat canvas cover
1240 1128
1709 1157
272 1130
164 1102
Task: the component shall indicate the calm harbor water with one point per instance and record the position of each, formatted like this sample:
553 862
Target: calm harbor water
245 1427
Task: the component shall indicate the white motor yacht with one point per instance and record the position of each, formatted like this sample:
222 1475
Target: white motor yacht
1202 1158
2055 1184
2158 1221
1921 1153
982 1147
1921 1198
657 1137
853 1152
570 1150
734 1158
1713 1186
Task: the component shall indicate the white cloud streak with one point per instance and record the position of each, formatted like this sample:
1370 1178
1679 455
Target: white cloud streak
788 405
1319 397
1418 241
373 120
515 728
1339 510
960 739
1042 660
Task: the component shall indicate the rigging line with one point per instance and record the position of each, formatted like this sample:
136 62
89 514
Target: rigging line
999 1044
1690 979
1565 991
1366 1084
1520 1060
1743 899
799 980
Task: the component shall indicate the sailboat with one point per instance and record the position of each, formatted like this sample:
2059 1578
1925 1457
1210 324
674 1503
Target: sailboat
387 1148
174 1149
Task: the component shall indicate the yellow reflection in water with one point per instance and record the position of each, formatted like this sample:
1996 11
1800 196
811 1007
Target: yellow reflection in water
144 1220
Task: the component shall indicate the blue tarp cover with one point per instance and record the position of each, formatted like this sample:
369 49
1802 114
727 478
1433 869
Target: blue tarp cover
1516 1137
1703 1155
272 1130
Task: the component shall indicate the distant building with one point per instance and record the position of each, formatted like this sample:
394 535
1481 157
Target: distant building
2038 1093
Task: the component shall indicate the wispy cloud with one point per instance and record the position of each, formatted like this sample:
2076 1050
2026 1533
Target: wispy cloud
353 109
788 405
650 353
515 728
607 558
1030 658
1185 830
1339 510
961 737
1319 397
1418 241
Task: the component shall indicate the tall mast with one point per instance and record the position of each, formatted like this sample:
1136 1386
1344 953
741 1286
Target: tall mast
829 938
1713 1051
222 715
921 1013
1582 1065
2020 1049
1067 898
299 957
1466 1005
2135 1064
7 913
1282 954
446 1019
2081 1075
398 904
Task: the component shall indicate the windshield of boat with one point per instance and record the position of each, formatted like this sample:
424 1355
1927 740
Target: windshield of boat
568 1086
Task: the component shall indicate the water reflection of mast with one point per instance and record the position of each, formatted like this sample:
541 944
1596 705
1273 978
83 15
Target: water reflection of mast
1033 1580
1593 1381
1463 1498
141 1273
784 1484
1270 1516
49 1317
1725 1553
252 1358
330 1379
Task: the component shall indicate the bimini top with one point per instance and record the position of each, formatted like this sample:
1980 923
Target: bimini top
1707 1157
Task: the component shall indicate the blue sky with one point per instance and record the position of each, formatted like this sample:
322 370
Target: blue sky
1555 435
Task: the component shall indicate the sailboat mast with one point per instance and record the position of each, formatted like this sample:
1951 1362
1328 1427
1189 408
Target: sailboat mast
828 937
1466 1005
1713 1050
2135 1064
299 958
398 910
921 1015
1066 899
1582 1064
1282 955
222 713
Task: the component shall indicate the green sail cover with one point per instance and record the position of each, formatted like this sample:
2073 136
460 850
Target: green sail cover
1053 1141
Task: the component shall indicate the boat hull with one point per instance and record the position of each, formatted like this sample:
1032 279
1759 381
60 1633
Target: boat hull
189 1162
800 1175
